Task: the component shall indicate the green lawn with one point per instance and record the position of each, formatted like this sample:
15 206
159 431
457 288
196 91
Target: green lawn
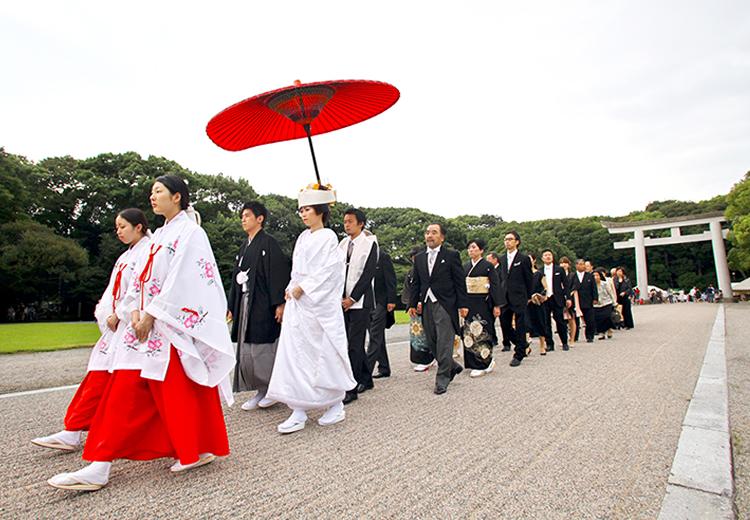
401 317
18 337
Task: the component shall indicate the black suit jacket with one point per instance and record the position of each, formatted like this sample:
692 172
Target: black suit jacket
560 292
364 284
516 282
587 291
385 280
446 281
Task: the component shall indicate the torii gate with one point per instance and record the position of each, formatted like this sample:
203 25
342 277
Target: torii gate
715 234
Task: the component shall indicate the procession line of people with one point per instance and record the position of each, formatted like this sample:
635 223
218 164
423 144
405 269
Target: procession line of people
299 326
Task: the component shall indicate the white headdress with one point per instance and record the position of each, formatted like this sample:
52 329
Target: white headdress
314 194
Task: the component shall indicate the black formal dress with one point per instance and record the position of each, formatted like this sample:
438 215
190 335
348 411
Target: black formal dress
479 336
624 301
537 321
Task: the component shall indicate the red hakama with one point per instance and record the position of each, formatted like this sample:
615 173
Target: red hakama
82 408
144 419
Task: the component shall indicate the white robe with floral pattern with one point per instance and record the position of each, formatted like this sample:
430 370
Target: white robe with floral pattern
102 355
185 296
312 367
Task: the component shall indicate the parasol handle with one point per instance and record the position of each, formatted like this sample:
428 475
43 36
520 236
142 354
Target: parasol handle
312 151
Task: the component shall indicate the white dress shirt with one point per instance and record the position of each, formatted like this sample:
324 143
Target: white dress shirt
549 274
432 255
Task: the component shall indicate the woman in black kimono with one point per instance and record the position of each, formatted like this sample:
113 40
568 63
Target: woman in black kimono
624 291
537 324
485 300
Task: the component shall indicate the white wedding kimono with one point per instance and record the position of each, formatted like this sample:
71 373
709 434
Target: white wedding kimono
312 367
177 282
122 277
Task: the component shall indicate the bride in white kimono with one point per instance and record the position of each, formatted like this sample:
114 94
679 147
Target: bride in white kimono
162 399
312 369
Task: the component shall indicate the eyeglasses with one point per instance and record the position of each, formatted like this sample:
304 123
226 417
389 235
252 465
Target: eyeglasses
509 239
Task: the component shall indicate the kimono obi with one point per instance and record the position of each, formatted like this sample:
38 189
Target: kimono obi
478 284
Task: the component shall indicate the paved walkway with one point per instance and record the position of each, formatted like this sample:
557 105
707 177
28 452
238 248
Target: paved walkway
589 433
738 371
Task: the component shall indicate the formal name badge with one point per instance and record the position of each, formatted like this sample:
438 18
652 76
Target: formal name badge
242 277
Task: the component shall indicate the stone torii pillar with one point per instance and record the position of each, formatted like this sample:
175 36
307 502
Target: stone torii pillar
640 242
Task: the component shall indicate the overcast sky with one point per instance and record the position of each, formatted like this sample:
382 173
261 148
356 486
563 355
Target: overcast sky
520 109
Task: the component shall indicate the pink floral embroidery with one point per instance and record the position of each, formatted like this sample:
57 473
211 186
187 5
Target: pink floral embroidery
130 338
191 318
208 271
154 344
172 248
154 288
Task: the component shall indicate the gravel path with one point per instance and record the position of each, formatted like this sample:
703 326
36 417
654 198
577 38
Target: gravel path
738 372
589 433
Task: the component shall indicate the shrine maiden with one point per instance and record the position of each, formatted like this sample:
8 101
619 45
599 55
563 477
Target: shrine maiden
162 399
132 229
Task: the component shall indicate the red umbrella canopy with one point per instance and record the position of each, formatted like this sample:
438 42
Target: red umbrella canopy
299 111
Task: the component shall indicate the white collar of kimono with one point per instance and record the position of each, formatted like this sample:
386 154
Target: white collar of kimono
181 215
475 262
359 237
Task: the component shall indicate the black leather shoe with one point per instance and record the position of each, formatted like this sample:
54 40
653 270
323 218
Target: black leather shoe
515 362
506 348
566 347
551 349
457 369
589 341
364 388
380 374
349 397
440 389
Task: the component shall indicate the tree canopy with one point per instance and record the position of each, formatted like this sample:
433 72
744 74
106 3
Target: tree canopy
57 244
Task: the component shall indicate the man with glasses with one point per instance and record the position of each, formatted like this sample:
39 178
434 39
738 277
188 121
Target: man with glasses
515 279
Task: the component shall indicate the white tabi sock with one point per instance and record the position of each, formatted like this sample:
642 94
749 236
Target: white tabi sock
298 415
69 437
96 472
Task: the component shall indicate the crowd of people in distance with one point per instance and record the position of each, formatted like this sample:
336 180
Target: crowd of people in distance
294 330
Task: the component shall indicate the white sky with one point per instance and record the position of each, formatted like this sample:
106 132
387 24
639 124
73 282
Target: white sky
520 109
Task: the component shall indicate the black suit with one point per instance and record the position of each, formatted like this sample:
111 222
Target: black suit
516 283
385 293
556 304
357 321
440 318
587 295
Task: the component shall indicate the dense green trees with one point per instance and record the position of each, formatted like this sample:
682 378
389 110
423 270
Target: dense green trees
738 211
57 243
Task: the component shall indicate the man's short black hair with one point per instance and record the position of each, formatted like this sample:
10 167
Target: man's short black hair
358 214
494 255
439 225
258 210
550 251
515 235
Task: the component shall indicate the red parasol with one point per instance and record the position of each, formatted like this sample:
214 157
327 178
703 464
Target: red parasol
302 110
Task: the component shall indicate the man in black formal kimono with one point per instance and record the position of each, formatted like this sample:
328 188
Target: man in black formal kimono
381 316
583 282
558 299
515 278
256 305
358 300
439 286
